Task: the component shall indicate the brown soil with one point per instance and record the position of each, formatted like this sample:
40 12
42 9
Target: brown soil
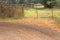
28 29
38 22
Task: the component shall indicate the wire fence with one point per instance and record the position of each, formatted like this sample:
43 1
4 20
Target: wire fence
28 11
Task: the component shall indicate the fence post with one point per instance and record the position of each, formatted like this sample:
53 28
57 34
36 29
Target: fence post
36 11
23 10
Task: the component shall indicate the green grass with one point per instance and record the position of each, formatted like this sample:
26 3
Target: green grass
57 20
43 13
28 12
12 18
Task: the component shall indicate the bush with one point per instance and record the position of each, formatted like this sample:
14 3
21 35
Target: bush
10 10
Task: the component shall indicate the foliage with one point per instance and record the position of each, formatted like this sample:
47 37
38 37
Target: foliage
43 2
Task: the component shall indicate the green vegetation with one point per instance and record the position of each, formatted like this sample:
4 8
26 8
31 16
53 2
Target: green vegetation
44 2
43 13
57 20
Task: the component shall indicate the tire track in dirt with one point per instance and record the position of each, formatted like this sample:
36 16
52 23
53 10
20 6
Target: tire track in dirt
10 31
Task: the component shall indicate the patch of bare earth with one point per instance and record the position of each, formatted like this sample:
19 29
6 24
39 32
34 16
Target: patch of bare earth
11 31
29 29
38 22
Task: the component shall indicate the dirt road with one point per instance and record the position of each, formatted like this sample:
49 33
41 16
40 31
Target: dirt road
11 31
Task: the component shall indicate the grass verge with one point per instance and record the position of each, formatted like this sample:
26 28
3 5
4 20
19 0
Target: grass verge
57 20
